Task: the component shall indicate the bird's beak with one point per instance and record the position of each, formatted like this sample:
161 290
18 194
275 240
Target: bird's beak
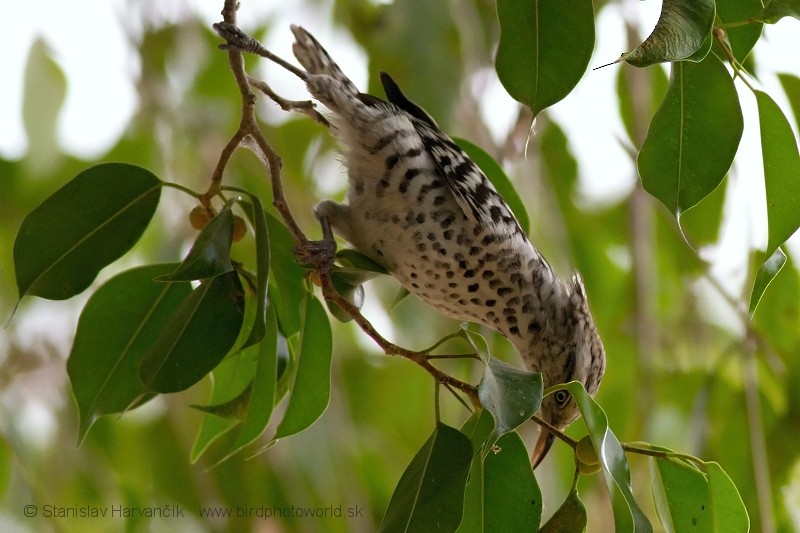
546 439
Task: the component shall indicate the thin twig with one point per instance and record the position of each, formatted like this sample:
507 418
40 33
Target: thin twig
555 431
305 107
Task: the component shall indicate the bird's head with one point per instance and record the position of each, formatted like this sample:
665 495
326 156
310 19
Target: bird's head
577 355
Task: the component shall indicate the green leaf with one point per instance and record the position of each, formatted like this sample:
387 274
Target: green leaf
654 80
766 273
703 222
210 254
693 137
476 341
781 172
348 282
728 509
233 408
233 376
479 428
777 9
627 514
791 86
352 258
569 518
259 220
682 32
681 496
43 97
311 390
254 406
430 493
287 275
498 178
84 226
741 38
502 493
542 53
512 395
117 327
197 336
262 394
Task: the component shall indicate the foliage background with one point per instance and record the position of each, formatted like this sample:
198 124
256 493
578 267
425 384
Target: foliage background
684 371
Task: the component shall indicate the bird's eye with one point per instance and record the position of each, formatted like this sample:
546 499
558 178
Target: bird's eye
561 397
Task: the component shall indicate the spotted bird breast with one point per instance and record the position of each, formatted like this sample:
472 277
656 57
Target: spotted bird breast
404 215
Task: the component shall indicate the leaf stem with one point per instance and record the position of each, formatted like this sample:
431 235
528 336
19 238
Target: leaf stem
183 188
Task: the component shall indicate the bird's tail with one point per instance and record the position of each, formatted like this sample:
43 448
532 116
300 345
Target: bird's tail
316 60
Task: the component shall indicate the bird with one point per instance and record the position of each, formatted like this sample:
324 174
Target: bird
421 208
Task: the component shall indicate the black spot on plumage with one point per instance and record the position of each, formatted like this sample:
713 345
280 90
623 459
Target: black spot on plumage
462 168
386 140
448 220
490 303
473 288
482 193
502 291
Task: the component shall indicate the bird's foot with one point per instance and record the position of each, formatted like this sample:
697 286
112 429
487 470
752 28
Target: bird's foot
317 254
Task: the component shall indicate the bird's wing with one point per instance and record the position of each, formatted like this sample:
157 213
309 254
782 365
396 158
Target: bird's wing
473 191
